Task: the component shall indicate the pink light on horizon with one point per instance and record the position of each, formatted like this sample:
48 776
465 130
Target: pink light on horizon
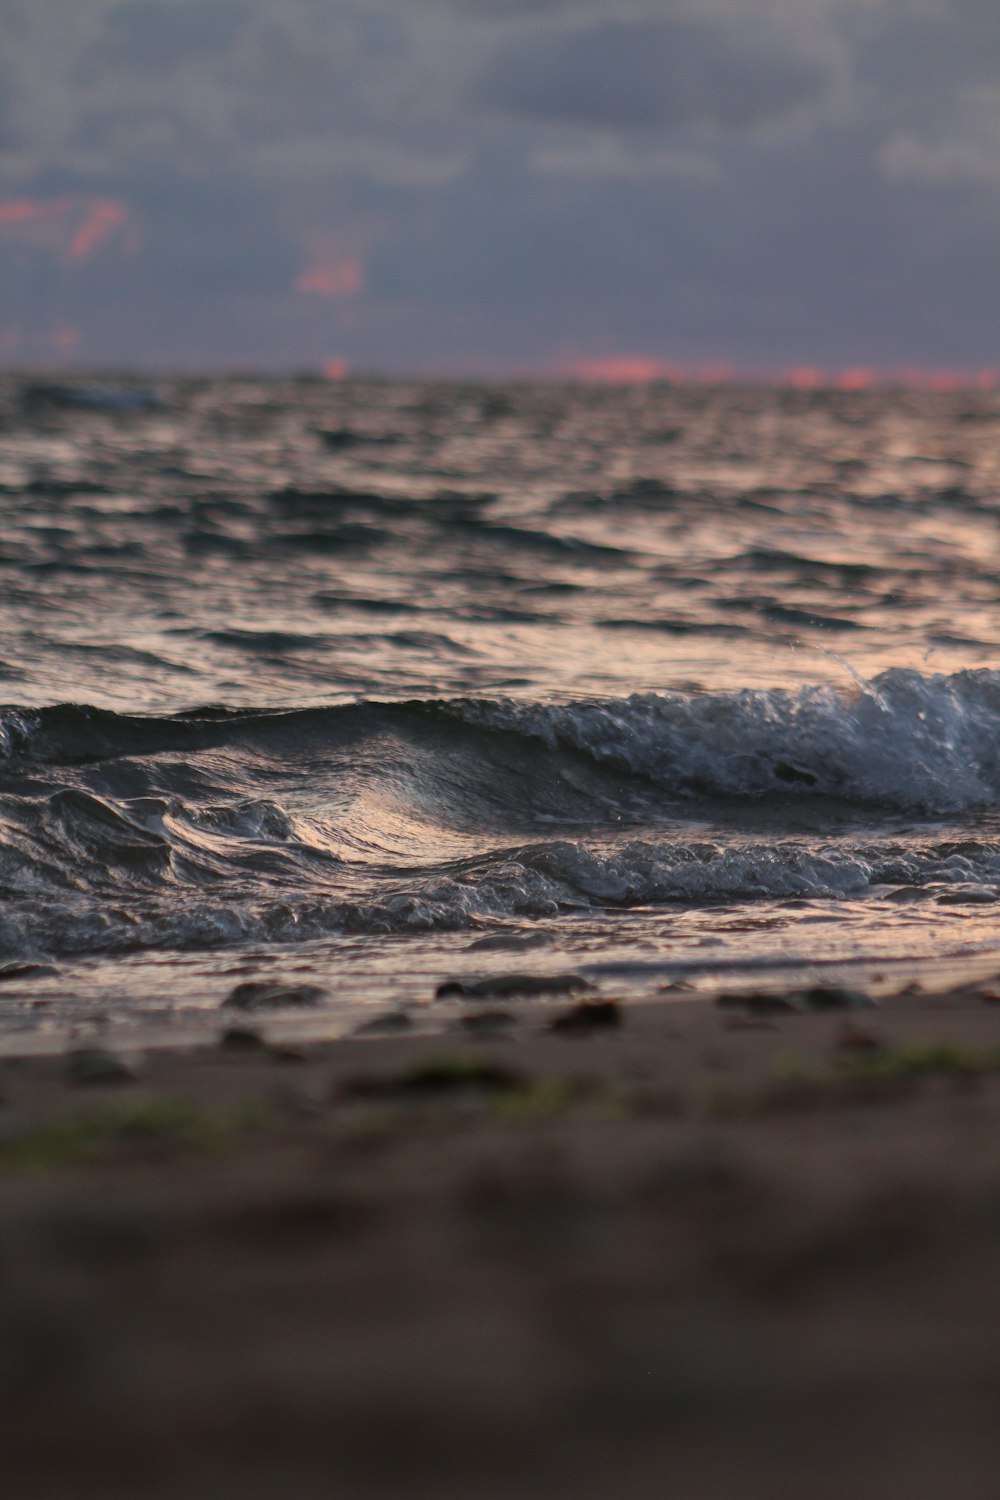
641 369
620 369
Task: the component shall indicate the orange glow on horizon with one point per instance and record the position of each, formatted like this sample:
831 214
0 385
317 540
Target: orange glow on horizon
806 377
335 369
857 378
333 277
71 227
621 369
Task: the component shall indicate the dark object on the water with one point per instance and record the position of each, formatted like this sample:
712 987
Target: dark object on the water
262 994
487 1022
96 1065
242 1039
393 1020
501 986
442 1075
588 1016
26 971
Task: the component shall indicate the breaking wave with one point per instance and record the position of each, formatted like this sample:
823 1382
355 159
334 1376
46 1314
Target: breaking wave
222 826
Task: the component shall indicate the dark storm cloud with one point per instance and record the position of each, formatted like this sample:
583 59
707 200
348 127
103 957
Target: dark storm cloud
642 75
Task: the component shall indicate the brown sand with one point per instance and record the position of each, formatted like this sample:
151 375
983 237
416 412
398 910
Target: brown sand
709 1252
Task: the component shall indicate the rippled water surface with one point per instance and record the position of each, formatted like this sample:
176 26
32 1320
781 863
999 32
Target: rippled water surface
367 684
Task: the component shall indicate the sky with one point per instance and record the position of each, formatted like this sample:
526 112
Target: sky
606 189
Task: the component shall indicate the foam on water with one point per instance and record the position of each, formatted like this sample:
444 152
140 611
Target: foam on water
902 740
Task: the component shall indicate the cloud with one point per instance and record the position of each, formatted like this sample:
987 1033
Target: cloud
483 183
955 161
607 156
634 75
159 35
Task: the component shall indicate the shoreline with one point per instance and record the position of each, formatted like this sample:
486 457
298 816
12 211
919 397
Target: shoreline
713 1248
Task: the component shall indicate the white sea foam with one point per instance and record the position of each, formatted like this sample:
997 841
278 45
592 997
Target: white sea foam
903 740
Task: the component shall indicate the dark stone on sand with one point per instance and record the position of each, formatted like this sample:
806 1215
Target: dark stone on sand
98 1066
855 1039
587 1017
392 1021
242 1039
832 997
504 986
818 998
436 1077
263 994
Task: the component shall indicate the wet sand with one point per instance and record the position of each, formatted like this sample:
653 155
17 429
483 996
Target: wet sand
689 1249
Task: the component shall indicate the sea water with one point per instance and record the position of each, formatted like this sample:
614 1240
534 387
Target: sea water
369 684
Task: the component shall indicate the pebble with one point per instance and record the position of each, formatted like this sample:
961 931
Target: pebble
588 1016
821 997
96 1065
501 986
241 1039
263 994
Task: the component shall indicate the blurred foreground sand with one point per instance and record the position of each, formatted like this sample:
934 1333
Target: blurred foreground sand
704 1253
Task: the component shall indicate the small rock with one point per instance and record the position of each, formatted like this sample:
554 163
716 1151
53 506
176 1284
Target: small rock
587 1017
820 997
297 1103
436 1076
833 997
242 1039
263 994
502 986
853 1038
96 1065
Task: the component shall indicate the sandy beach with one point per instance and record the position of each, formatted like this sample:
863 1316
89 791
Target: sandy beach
573 1248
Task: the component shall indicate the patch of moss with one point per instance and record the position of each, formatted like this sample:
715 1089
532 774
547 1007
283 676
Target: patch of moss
136 1125
934 1058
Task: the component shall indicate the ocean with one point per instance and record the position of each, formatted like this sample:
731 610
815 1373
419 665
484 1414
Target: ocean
357 687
